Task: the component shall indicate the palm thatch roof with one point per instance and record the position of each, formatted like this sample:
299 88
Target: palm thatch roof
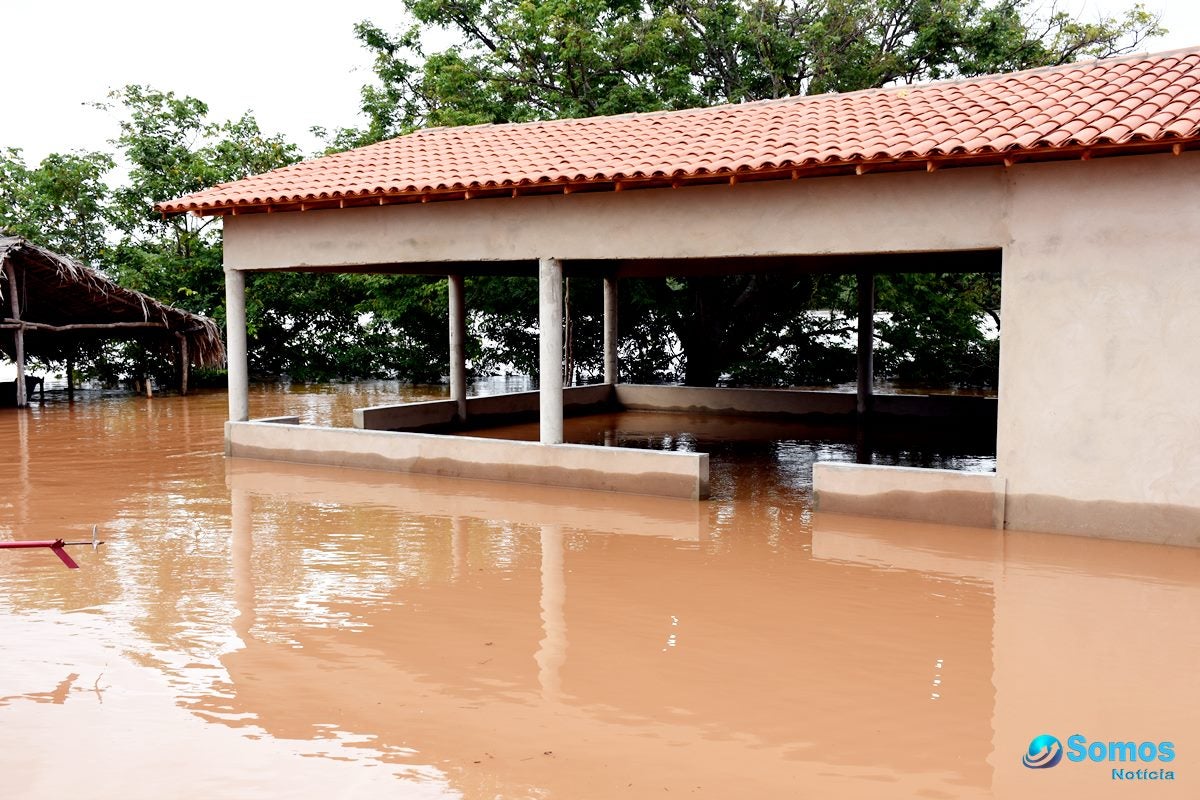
58 295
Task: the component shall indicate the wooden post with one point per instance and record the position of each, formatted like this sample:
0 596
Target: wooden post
71 376
18 333
184 364
866 341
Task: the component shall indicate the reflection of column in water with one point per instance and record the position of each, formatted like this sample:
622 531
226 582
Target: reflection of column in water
242 555
23 460
552 651
862 442
610 438
458 548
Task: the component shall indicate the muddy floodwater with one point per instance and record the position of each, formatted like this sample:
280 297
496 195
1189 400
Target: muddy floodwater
255 630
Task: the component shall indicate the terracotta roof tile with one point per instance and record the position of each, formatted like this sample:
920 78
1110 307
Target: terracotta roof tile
1049 112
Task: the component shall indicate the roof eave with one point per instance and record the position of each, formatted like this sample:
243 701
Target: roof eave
786 170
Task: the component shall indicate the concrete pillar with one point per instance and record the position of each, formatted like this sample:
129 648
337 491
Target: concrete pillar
610 329
458 344
550 337
235 345
18 334
866 340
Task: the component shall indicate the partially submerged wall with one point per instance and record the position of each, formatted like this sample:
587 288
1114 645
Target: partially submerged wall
502 409
798 402
666 474
496 409
975 499
1099 432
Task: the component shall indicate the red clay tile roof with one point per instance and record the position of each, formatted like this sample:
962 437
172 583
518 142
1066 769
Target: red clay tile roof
1135 104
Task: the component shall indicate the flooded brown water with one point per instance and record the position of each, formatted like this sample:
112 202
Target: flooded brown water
253 630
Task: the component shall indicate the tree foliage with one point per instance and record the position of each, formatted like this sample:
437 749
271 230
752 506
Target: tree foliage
62 203
313 327
545 59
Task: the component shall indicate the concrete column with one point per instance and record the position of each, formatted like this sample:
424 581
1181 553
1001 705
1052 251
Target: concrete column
610 329
458 344
18 334
235 345
866 340
550 337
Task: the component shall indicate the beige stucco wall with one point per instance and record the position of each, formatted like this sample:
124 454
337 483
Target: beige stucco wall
1099 426
951 210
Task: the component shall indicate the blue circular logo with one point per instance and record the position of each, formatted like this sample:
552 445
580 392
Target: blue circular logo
1044 752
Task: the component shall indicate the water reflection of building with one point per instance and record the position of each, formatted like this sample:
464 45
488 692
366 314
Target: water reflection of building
894 657
671 657
1087 641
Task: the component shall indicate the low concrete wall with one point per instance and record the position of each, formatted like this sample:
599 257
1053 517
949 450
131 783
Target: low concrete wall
637 397
407 416
798 402
481 411
665 474
499 409
973 499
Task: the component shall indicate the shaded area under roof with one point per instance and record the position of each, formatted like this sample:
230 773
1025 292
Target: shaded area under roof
59 296
1133 104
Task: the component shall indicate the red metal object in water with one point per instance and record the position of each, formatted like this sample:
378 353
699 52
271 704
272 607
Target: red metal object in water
57 546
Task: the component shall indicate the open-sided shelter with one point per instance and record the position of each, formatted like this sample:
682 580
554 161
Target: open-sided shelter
1078 182
51 302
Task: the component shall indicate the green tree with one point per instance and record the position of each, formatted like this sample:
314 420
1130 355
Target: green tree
173 149
303 324
62 203
545 59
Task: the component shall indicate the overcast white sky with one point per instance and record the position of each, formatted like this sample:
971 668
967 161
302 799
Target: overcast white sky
294 64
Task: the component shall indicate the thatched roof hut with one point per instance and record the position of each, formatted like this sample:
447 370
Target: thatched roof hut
47 296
